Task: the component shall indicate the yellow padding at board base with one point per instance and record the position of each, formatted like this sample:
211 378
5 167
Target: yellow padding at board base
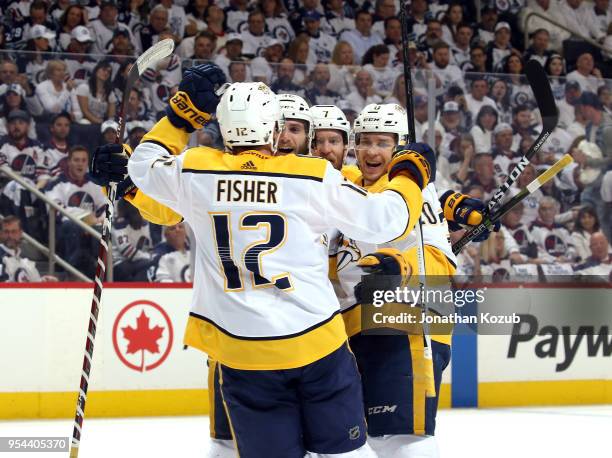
136 403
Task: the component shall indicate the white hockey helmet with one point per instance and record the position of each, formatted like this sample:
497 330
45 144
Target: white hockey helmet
386 118
295 107
249 114
330 117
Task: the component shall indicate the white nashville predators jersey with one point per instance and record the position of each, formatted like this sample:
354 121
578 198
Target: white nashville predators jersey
261 296
348 251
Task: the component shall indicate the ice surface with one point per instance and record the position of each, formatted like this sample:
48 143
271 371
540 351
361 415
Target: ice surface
556 432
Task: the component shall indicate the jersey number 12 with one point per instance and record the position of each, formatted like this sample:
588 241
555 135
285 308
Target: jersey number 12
276 233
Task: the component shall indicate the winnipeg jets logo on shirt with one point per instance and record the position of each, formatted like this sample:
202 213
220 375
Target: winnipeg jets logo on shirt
520 237
81 199
554 245
25 165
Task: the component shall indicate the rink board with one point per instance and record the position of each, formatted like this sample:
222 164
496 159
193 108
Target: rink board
140 367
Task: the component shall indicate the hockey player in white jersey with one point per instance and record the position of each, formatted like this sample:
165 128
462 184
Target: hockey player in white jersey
331 134
296 137
399 433
407 430
294 325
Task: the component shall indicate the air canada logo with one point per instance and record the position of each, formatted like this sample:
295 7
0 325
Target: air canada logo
142 335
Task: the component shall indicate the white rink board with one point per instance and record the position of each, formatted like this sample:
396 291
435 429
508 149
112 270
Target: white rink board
43 339
496 365
47 334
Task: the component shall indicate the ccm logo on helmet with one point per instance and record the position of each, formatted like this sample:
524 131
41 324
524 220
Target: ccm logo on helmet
183 104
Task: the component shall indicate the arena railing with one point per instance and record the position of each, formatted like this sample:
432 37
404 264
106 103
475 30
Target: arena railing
53 207
561 26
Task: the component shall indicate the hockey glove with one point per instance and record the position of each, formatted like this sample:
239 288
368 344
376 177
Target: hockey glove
427 152
108 164
197 98
387 269
462 209
412 164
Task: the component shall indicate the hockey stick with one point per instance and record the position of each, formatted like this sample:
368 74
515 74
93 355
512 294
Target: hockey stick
548 110
157 52
420 248
540 86
532 187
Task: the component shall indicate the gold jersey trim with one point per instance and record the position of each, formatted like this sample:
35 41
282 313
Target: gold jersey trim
167 135
273 353
209 160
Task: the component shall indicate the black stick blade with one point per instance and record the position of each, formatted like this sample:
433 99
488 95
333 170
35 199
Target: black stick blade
538 80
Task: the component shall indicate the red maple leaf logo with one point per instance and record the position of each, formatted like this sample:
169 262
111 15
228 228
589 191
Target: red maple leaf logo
142 338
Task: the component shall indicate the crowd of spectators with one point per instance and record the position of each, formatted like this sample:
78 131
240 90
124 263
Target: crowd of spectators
63 66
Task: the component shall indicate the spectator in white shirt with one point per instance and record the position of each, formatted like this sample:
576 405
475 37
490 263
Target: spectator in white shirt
73 16
95 98
417 17
477 97
14 99
362 38
375 61
484 125
255 38
13 266
451 21
177 19
231 52
321 43
173 266
383 10
215 20
461 45
148 35
448 74
364 94
548 8
588 76
103 28
54 92
586 224
342 69
261 67
299 52
237 72
575 15
555 69
393 40
553 240
236 14
540 42
485 31
566 106
599 262
499 48
337 21
276 20
195 14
